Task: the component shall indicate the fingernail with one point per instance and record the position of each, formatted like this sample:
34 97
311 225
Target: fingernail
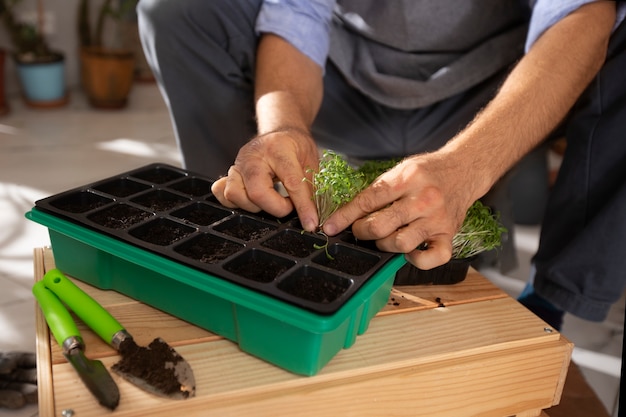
330 229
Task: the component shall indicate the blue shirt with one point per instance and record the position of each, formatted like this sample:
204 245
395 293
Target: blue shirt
306 24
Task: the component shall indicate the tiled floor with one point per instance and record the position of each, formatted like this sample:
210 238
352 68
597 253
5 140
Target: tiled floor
43 152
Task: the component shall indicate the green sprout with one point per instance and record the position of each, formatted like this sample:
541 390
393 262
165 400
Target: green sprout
334 184
481 231
373 168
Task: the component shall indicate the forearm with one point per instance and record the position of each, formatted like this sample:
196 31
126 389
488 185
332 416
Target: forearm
535 97
288 87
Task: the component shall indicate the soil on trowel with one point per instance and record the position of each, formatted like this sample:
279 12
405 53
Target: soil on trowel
155 364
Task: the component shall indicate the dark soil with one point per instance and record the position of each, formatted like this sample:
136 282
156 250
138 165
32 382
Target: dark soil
209 249
158 175
201 214
155 364
161 233
160 200
246 231
259 270
293 243
315 288
348 262
119 216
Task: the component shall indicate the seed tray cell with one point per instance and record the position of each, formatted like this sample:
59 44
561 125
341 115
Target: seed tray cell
159 227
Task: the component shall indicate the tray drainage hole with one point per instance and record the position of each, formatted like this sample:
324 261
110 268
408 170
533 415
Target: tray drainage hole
119 216
347 260
162 232
258 266
315 285
208 249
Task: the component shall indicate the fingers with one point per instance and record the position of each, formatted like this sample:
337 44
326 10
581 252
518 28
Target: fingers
438 251
250 183
300 192
253 194
367 201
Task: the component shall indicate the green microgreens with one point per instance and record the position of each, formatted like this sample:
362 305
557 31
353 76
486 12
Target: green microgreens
481 231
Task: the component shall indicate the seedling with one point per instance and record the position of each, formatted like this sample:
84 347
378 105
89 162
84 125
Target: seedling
334 184
481 231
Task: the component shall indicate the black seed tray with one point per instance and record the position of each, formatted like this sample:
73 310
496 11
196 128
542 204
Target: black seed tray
171 212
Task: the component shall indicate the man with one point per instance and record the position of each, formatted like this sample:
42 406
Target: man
429 81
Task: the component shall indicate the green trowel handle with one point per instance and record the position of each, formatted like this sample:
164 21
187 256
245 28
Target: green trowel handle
59 319
85 307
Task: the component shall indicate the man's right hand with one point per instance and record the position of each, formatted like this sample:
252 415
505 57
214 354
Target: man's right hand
282 155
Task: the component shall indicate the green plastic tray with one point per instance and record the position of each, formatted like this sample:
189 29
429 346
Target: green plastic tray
286 335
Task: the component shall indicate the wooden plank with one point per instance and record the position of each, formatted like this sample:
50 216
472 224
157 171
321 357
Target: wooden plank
495 383
420 297
42 347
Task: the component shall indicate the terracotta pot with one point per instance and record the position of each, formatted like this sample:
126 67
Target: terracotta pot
107 76
449 273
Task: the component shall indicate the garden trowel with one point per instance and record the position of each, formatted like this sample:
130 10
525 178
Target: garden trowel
157 368
93 373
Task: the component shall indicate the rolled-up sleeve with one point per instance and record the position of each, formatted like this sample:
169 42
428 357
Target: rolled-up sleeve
303 23
548 12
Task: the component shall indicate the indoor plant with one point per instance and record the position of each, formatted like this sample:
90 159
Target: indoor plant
41 69
107 64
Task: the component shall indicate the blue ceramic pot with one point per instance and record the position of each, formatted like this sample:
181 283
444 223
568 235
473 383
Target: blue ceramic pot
42 82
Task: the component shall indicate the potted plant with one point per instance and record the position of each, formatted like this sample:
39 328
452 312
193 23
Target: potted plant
107 65
41 69
336 183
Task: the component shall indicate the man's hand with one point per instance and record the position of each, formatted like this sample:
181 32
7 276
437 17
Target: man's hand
288 91
281 155
413 208
18 379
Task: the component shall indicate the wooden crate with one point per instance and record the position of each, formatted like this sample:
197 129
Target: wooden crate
461 350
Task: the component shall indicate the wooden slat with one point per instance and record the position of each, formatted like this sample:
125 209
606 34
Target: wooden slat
42 343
